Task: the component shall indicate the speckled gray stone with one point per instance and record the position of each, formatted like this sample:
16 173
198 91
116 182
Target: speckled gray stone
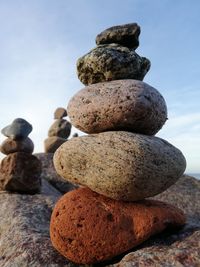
125 35
11 146
60 128
129 105
18 129
120 165
111 62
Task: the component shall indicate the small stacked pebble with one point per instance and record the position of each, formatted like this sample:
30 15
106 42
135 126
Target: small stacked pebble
58 132
19 170
120 162
75 135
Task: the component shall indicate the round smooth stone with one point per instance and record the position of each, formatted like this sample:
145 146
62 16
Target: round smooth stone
87 228
120 165
60 128
20 172
18 129
128 105
111 62
60 113
52 143
11 146
75 135
126 35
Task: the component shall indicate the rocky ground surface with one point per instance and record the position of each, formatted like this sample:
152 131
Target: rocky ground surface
173 249
25 241
24 229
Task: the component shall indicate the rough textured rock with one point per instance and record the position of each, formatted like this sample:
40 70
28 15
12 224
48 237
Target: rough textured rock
125 35
88 228
18 129
11 146
120 165
60 128
20 172
53 143
60 113
49 173
176 249
25 241
128 105
24 230
111 62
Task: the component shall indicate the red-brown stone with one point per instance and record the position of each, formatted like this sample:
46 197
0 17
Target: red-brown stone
20 172
87 227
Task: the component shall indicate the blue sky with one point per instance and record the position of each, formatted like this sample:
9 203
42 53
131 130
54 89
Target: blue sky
41 41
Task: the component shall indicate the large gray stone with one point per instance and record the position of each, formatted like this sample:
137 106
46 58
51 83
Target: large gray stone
18 129
128 105
125 35
111 62
120 165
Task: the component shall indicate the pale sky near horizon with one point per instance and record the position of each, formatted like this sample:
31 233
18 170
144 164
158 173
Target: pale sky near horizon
41 41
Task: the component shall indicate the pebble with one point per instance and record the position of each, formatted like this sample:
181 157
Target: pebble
60 128
60 113
126 35
18 129
11 146
51 144
75 135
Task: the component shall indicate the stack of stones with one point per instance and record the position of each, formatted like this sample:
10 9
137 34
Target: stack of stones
19 170
120 162
58 132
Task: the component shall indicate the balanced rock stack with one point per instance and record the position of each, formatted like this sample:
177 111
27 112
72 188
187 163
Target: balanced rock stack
58 132
120 162
19 170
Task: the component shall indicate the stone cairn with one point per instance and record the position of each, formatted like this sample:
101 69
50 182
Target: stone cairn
19 170
58 132
120 162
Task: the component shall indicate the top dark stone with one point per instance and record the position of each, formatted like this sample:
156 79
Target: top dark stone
18 129
126 35
60 113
